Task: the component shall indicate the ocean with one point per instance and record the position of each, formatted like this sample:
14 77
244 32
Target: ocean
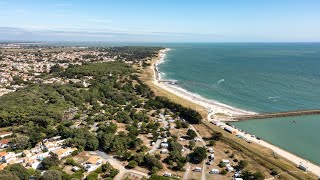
259 77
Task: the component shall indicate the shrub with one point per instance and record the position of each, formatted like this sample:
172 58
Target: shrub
222 164
132 164
70 161
223 172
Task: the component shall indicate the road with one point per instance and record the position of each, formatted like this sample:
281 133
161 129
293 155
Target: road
203 174
118 165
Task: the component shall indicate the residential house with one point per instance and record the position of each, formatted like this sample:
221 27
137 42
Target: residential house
53 145
4 143
5 134
92 163
61 152
33 163
7 156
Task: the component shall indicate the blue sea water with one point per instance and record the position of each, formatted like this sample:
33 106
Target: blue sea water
260 77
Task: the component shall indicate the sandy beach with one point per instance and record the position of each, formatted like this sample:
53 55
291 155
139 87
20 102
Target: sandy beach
214 107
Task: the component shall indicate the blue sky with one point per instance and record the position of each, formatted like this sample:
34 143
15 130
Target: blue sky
161 20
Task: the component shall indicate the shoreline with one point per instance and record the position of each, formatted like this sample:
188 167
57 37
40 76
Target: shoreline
214 107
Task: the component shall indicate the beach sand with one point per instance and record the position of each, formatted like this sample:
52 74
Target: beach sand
214 109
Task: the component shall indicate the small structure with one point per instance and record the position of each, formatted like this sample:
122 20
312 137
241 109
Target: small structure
303 167
164 151
214 171
164 145
166 174
226 161
210 150
197 169
75 168
230 130
211 156
229 168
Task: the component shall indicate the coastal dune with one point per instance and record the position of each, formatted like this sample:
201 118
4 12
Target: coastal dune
215 108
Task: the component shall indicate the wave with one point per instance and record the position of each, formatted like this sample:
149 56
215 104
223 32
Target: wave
161 60
220 81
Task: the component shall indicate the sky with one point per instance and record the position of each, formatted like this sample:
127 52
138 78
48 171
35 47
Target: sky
161 20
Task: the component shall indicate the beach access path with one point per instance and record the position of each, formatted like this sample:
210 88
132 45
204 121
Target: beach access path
217 107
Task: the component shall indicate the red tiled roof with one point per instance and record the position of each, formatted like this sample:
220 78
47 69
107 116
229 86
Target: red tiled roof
5 141
4 133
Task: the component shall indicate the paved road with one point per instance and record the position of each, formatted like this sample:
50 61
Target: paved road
103 155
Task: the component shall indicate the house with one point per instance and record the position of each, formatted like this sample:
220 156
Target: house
4 143
37 148
7 156
2 166
27 153
92 163
53 145
61 152
33 163
5 134
41 155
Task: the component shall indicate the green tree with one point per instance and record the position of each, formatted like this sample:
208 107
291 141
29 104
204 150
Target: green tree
132 164
19 171
92 143
242 164
199 154
52 175
191 133
21 142
192 144
7 175
56 68
217 136
92 176
50 162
